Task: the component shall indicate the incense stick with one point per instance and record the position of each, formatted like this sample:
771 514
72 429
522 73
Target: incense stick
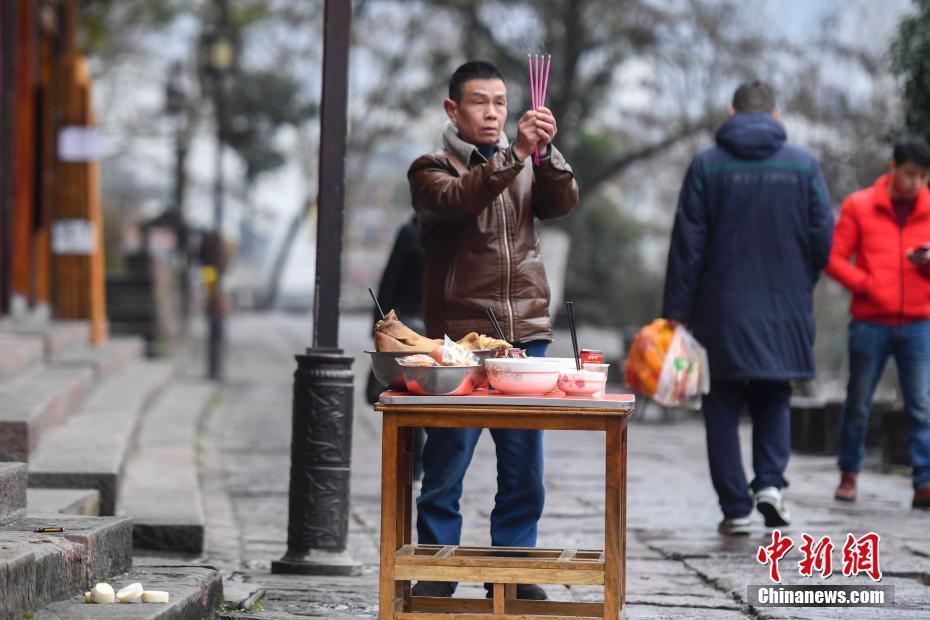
545 86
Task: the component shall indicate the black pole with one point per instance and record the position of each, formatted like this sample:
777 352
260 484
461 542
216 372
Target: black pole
321 440
7 50
336 28
214 305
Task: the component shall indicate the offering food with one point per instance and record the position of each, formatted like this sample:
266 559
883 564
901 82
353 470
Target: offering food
392 335
448 370
480 342
102 594
417 360
130 594
155 596
448 354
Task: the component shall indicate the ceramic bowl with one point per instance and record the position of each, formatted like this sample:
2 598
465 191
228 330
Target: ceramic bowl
582 382
530 376
601 368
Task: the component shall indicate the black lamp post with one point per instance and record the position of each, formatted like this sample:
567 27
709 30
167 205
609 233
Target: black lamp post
321 439
219 52
178 107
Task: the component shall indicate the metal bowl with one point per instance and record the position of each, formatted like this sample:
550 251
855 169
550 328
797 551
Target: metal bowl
441 380
387 370
483 354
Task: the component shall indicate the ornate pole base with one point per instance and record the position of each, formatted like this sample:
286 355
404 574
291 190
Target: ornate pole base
317 562
321 458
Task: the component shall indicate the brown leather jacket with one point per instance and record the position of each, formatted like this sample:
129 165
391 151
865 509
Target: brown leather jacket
478 236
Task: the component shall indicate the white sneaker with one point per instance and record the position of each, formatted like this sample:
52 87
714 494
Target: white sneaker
737 526
771 504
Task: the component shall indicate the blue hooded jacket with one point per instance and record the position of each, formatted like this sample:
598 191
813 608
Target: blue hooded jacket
751 236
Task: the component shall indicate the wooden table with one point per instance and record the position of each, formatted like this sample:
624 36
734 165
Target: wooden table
403 562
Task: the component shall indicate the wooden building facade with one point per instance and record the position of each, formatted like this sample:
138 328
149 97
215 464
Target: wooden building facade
51 229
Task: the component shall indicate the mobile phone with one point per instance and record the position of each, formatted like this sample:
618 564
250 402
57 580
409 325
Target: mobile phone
921 253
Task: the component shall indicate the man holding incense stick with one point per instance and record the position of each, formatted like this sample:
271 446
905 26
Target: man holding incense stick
476 200
751 236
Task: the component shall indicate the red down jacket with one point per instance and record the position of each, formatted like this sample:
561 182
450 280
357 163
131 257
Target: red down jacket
887 287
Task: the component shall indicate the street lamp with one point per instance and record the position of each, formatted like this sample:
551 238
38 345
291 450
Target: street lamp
321 432
177 106
218 54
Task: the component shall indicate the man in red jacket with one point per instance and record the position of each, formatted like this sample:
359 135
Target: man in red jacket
886 229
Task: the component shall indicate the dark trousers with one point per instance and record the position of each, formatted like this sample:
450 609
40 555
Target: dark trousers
870 346
518 503
768 404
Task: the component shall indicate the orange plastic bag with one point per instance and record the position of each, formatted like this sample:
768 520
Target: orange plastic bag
668 365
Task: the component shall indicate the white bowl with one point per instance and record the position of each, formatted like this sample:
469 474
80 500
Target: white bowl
534 375
582 382
601 368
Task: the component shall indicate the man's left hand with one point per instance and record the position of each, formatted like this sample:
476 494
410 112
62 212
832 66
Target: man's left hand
545 126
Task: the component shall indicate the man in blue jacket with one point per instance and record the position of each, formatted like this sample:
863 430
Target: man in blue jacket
751 236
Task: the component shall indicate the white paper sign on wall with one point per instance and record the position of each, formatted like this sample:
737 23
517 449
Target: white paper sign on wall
77 143
73 236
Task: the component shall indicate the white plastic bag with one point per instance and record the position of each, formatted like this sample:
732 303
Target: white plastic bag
685 376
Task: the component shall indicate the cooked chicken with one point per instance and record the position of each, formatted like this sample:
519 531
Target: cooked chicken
480 342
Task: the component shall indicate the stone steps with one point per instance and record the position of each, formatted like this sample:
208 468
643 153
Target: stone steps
37 569
115 354
84 502
161 487
12 491
55 336
89 449
20 353
195 591
36 401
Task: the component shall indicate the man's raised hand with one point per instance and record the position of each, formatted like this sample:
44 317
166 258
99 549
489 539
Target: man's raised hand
535 128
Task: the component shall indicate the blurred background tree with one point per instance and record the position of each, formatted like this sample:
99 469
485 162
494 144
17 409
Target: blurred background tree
637 85
910 59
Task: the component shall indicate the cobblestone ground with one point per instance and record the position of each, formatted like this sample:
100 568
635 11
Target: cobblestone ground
678 566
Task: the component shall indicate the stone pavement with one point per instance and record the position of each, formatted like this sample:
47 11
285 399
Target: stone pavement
678 566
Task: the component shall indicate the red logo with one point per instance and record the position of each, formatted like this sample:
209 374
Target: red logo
860 555
817 557
773 553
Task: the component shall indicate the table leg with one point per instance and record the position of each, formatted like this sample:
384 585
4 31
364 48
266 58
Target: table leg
623 483
402 521
407 481
389 474
510 592
613 519
498 598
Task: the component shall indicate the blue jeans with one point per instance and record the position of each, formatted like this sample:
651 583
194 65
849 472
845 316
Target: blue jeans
520 491
768 404
870 345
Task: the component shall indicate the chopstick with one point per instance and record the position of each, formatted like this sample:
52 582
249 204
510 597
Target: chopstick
571 323
375 299
496 325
